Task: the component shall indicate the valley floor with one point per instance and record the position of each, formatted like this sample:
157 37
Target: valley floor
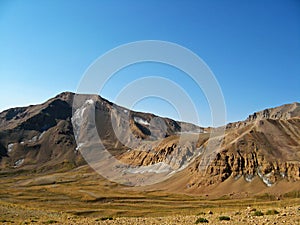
17 214
81 196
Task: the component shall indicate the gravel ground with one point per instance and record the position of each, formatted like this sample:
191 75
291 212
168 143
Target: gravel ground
15 215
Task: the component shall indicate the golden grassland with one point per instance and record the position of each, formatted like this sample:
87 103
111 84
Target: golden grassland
81 196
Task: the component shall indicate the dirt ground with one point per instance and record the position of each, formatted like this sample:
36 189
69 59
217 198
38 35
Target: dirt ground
81 197
18 214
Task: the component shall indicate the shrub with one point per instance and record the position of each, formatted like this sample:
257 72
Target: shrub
50 221
224 218
201 220
272 212
258 213
104 218
267 196
292 194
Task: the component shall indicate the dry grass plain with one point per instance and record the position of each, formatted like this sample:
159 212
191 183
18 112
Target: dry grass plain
81 196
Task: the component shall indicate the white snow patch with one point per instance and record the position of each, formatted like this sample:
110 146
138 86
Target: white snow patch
19 162
141 121
77 118
283 175
22 142
89 101
41 135
10 147
160 167
249 177
189 132
259 173
237 177
79 146
125 111
265 178
267 182
195 131
268 175
34 139
79 113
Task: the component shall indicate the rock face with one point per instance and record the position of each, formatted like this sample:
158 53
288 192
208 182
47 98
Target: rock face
284 112
42 138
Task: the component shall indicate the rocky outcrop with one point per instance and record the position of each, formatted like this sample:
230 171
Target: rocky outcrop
168 151
283 113
245 166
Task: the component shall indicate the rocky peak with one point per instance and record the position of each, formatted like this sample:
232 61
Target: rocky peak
282 112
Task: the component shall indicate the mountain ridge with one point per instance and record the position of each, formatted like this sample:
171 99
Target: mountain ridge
266 145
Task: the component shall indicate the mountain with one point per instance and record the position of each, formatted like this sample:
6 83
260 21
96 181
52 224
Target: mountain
266 146
41 137
262 151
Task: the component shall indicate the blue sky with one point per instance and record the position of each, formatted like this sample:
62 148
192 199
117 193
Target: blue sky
253 48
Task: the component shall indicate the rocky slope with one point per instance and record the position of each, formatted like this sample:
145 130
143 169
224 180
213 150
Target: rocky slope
266 146
41 137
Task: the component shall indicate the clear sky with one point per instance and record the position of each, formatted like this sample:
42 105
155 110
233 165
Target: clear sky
253 48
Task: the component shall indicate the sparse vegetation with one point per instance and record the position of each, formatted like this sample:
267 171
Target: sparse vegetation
6 221
51 222
292 194
224 218
272 212
104 218
267 196
224 212
201 220
258 213
123 206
